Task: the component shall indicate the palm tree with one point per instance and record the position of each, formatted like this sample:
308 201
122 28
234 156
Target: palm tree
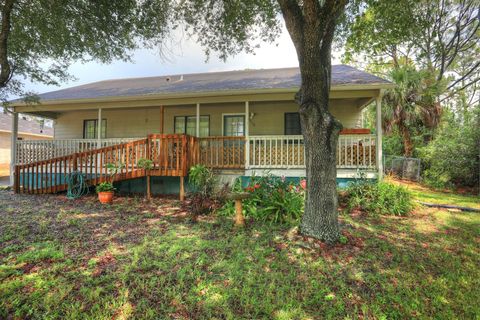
412 105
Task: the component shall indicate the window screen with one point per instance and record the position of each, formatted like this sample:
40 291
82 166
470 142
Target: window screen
292 123
187 125
90 129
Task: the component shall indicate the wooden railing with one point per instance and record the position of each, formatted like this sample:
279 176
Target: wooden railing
353 151
169 153
172 154
222 152
29 151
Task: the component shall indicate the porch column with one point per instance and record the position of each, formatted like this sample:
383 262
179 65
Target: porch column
162 115
13 149
247 134
99 128
378 143
197 123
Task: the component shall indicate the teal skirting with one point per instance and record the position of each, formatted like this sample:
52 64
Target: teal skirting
171 185
159 185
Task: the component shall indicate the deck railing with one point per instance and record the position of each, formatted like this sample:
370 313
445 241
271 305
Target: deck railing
356 151
353 151
222 152
171 156
254 152
29 151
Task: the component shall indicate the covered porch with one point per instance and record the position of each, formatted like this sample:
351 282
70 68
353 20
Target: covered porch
235 131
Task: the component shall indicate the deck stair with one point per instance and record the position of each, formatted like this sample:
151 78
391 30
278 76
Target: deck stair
172 155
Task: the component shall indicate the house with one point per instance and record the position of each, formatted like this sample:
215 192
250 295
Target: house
239 123
27 130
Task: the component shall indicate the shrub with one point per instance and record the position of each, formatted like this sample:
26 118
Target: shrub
378 198
272 199
144 163
113 169
452 158
105 187
204 196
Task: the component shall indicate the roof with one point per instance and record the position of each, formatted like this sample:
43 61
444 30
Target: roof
24 126
283 78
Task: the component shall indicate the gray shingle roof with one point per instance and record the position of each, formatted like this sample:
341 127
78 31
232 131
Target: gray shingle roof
24 126
284 78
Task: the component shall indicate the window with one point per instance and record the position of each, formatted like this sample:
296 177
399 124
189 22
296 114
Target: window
187 125
90 129
292 123
234 125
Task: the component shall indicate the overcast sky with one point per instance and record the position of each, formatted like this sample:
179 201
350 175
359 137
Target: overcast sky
188 57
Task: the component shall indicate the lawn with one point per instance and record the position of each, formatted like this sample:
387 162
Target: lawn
450 197
64 259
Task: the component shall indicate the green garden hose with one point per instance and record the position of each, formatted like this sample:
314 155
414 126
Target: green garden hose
76 186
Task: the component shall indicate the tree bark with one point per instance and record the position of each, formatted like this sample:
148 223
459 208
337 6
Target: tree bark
311 27
6 70
407 141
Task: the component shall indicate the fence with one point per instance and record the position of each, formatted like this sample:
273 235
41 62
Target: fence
403 167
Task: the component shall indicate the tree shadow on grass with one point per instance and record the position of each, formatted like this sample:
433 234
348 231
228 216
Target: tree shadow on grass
146 260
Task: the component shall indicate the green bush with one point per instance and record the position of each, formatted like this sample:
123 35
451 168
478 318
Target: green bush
204 196
144 163
378 198
452 158
272 199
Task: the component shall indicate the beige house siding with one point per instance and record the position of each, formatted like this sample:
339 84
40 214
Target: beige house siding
5 153
268 118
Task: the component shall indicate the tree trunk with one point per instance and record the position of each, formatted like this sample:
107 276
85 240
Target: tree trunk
407 141
320 131
5 69
311 26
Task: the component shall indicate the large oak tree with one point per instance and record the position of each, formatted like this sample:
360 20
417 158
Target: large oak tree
228 27
39 39
62 31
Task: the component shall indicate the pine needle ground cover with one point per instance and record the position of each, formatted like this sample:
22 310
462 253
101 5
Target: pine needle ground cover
138 260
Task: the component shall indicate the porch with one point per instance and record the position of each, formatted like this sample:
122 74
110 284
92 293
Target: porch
354 151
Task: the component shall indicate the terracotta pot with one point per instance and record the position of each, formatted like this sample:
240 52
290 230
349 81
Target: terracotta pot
105 197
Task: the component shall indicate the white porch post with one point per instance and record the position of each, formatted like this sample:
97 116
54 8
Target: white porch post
13 149
99 128
247 134
379 135
197 122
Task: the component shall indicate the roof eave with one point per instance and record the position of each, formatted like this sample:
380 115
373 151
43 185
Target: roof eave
343 87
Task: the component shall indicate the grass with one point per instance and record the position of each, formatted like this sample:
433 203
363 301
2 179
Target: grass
139 260
425 194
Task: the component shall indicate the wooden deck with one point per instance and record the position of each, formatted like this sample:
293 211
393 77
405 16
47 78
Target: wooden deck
173 155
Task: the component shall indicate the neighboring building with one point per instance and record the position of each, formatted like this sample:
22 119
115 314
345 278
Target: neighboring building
27 130
244 122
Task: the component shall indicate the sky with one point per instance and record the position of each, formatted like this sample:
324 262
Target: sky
186 57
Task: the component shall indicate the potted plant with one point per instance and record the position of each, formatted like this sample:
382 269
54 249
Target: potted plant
105 190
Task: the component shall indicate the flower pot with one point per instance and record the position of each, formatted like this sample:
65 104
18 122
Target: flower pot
105 197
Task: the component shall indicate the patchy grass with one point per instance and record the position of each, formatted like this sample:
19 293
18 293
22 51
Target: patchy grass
425 194
136 260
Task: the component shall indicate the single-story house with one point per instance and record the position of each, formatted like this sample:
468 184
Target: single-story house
239 123
27 130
